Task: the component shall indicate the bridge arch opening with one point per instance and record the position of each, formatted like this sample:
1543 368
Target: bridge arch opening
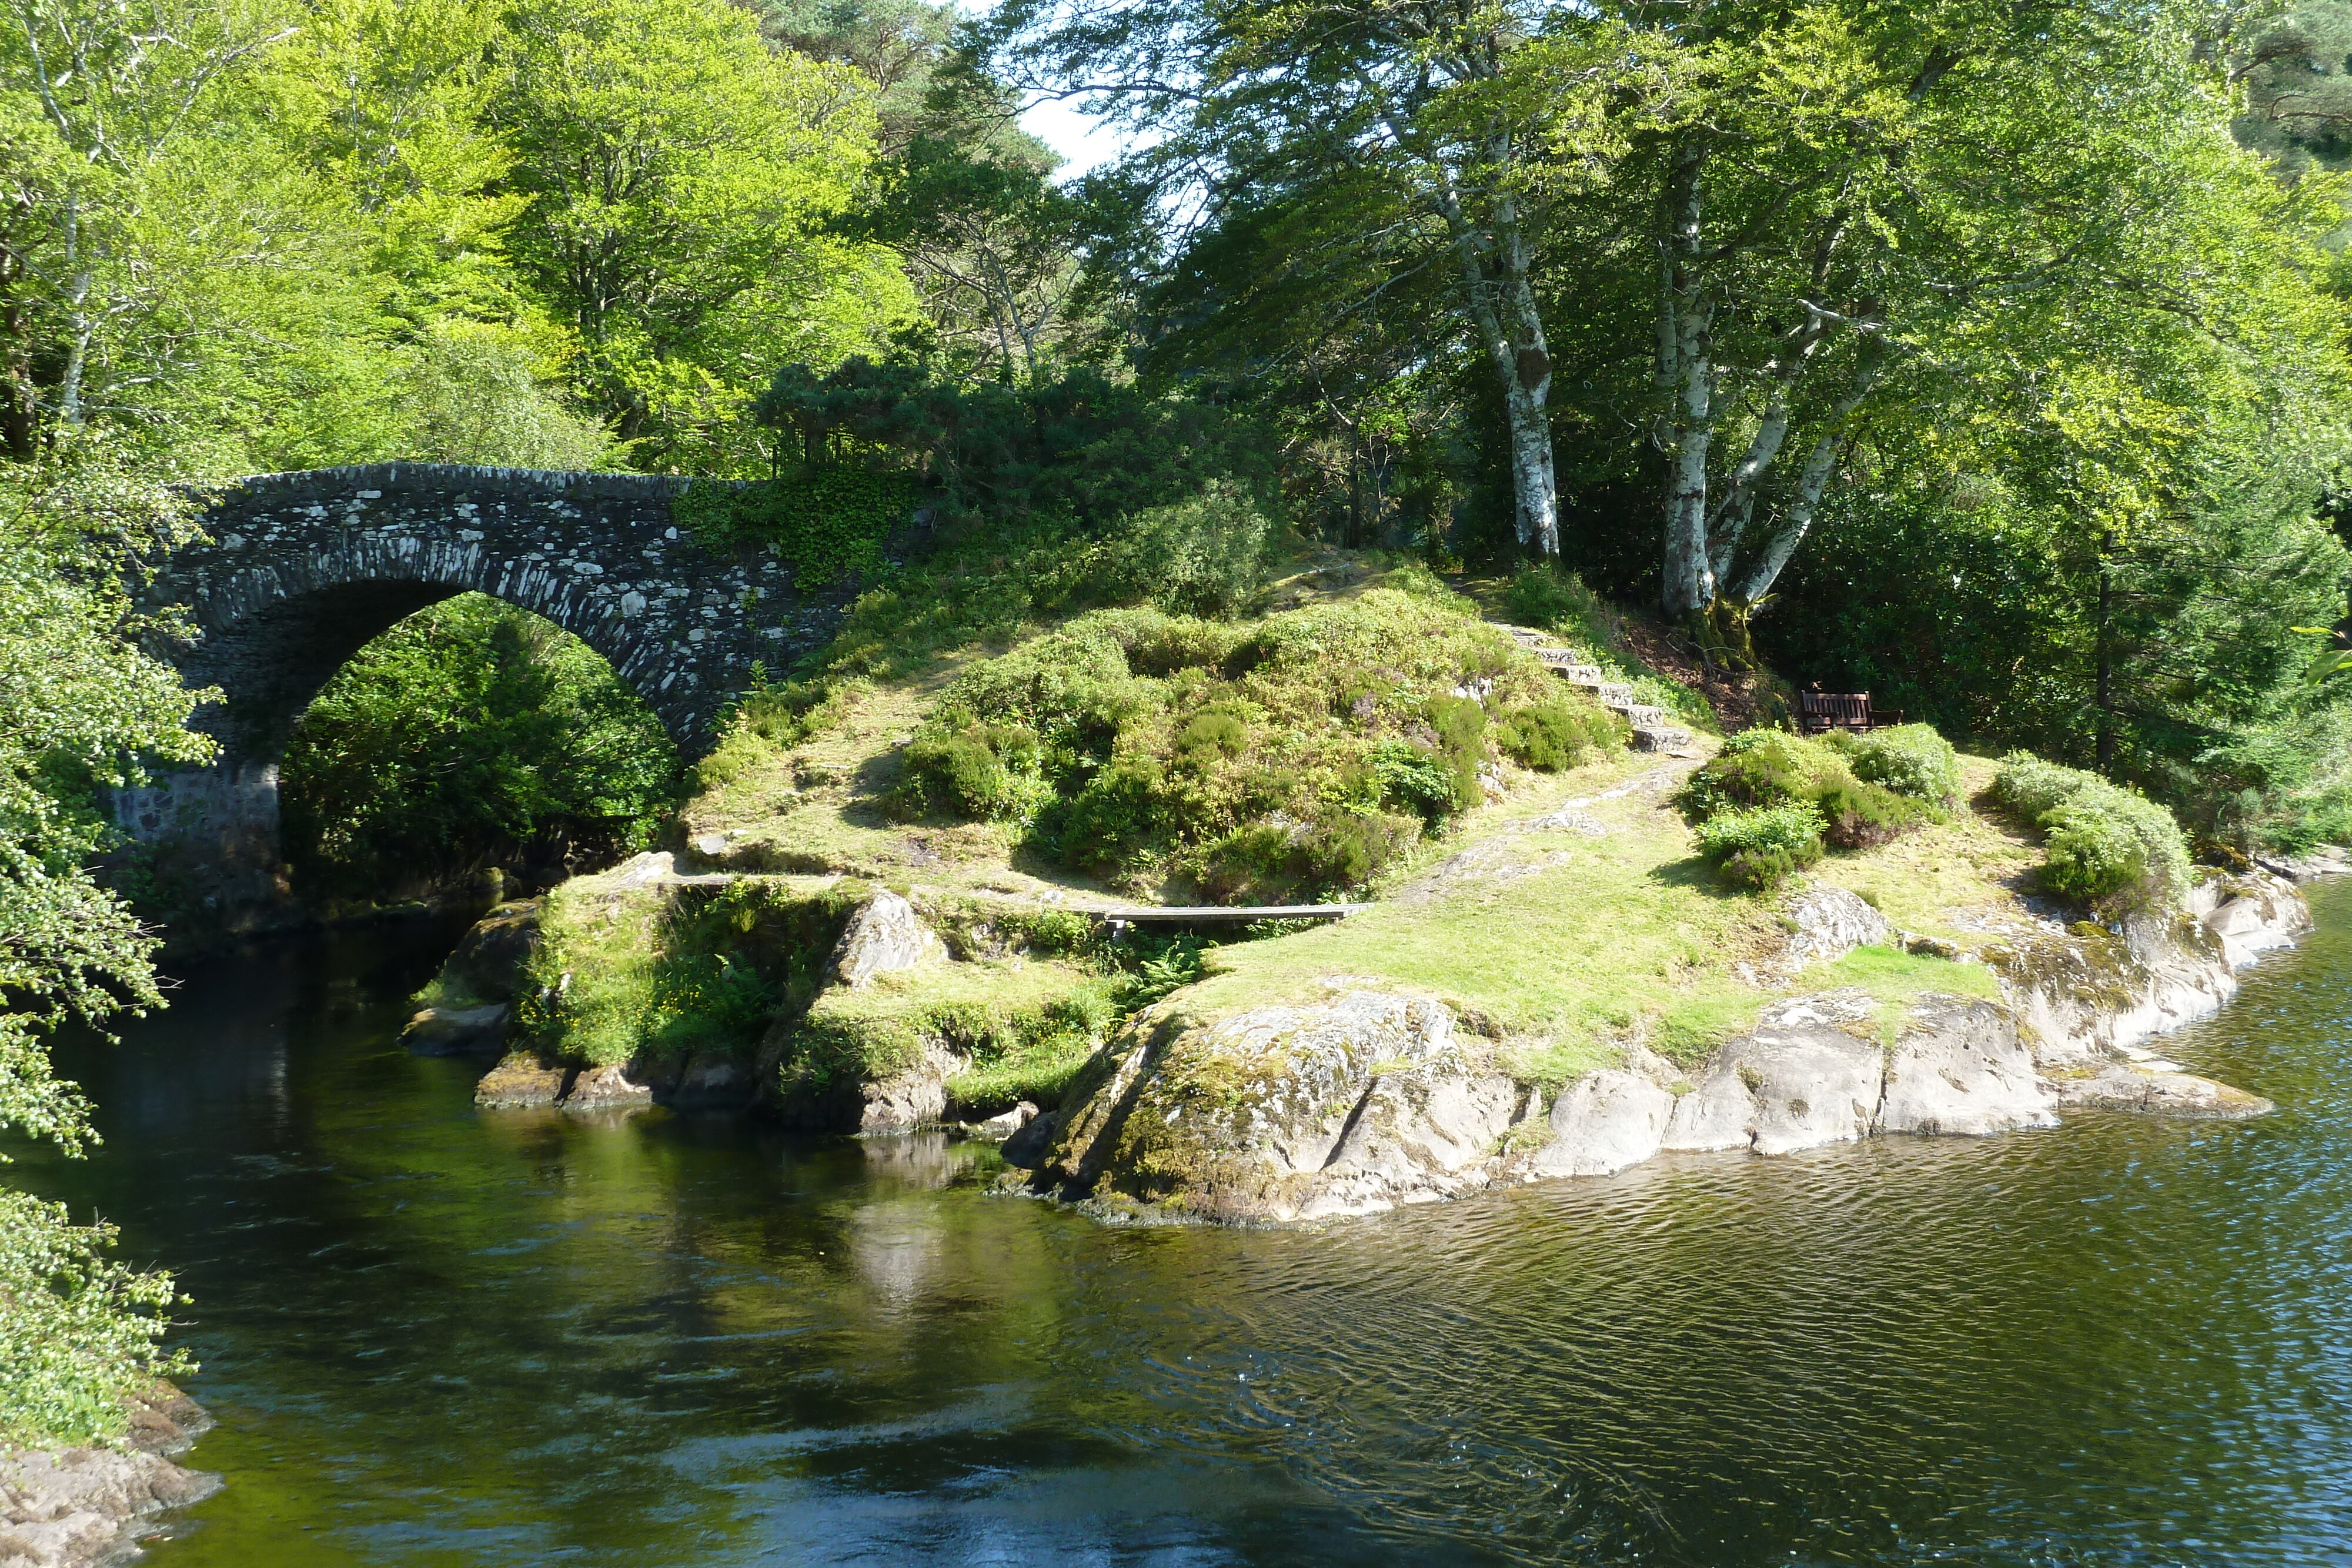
468 735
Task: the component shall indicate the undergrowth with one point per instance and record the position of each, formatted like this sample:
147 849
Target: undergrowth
1291 757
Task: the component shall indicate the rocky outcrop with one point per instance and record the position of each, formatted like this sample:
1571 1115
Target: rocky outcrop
1374 1100
520 1080
709 1082
1828 923
885 936
523 1081
614 1087
486 964
1283 1112
2324 860
1603 1123
915 1096
2126 1086
2087 993
1962 1069
456 1031
477 984
80 1507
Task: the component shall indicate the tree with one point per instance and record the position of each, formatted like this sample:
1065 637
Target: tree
77 1332
680 177
1411 126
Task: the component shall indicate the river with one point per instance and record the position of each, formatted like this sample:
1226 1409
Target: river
434 1335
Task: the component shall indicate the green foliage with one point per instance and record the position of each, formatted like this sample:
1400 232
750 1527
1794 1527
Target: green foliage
828 523
1294 757
1551 737
1079 445
1911 760
2105 847
1760 768
657 973
1756 847
78 1329
471 731
1161 967
982 771
82 702
680 179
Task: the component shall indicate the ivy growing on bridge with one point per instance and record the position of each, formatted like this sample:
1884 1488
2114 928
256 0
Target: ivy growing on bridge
827 523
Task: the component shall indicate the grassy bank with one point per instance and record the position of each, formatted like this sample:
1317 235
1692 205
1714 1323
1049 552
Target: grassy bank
1563 901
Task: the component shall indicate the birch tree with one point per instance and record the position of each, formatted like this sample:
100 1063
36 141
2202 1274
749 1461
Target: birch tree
1420 99
1842 192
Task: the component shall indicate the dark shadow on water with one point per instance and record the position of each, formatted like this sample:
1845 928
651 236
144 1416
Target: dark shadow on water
439 1335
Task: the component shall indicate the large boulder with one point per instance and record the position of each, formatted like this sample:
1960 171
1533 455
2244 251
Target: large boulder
519 1080
1828 923
709 1081
1283 1112
486 964
1605 1121
884 937
913 1097
456 1031
1958 1068
1810 1075
613 1087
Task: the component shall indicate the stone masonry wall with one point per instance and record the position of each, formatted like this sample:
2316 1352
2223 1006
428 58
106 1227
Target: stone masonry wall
304 568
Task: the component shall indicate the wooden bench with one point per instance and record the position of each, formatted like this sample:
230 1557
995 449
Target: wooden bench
1820 712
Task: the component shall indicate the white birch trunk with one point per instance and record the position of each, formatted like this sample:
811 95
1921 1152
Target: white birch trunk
1687 377
1765 569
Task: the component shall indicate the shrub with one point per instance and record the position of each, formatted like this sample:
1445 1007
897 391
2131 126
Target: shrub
1554 736
1114 818
2090 856
1759 769
1204 556
1337 853
1911 760
1298 754
1795 829
1757 848
1406 777
984 770
2104 846
1217 733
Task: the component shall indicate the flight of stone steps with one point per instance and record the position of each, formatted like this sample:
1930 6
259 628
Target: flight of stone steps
1650 730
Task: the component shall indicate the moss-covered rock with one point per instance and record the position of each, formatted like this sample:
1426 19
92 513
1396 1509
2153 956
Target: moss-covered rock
1283 1112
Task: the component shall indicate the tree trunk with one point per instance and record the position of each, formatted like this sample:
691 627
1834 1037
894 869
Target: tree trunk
1686 392
1510 327
2105 696
1751 586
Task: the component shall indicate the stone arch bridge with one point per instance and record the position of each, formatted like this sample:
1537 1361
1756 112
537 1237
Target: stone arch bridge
303 568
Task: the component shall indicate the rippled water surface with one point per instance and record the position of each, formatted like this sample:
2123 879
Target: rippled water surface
437 1335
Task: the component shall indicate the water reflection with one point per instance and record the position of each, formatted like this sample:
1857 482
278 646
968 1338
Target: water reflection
438 1336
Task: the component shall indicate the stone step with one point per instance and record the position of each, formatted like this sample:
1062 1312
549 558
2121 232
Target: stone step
1641 715
1614 694
1659 737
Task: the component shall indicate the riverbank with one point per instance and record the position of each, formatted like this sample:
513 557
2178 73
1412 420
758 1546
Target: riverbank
516 1337
90 1507
1551 983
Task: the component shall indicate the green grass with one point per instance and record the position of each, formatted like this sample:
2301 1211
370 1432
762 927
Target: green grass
1026 1024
